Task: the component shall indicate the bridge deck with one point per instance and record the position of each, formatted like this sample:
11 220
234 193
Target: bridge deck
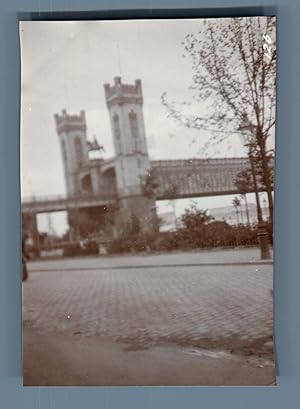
61 203
176 179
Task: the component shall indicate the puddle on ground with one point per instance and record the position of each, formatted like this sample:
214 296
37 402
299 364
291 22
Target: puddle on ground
260 362
209 354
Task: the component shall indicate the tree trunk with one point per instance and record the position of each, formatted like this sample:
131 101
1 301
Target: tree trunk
262 233
247 209
266 172
237 216
258 207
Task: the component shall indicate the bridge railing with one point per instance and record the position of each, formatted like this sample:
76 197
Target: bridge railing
33 198
45 204
63 197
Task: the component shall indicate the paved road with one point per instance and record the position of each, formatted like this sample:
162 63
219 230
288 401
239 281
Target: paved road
224 307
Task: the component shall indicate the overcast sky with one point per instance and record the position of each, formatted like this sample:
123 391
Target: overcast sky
64 66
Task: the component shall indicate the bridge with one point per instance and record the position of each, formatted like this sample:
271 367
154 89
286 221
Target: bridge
176 179
58 203
96 185
191 178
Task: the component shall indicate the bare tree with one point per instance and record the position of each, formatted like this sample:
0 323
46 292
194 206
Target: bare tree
234 84
237 203
244 184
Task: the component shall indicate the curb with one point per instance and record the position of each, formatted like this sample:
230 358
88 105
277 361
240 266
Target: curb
125 267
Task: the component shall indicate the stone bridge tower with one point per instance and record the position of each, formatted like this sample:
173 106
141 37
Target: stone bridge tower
125 105
71 130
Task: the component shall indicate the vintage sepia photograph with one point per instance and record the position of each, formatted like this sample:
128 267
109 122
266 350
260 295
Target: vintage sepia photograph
147 190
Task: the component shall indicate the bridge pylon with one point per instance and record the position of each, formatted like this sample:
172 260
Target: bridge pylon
71 130
125 106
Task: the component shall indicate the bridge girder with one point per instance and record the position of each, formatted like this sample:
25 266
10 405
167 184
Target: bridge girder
176 179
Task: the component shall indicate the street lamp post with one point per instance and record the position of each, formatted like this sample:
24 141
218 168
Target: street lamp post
262 234
253 174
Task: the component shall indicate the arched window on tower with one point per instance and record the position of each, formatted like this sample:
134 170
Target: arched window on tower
78 150
134 129
117 133
86 184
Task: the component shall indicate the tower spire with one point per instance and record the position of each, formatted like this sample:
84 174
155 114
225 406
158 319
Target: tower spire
119 60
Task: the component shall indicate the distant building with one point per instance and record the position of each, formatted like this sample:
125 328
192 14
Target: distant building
229 214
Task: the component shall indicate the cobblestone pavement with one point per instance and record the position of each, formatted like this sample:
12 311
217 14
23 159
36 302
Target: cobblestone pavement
153 304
